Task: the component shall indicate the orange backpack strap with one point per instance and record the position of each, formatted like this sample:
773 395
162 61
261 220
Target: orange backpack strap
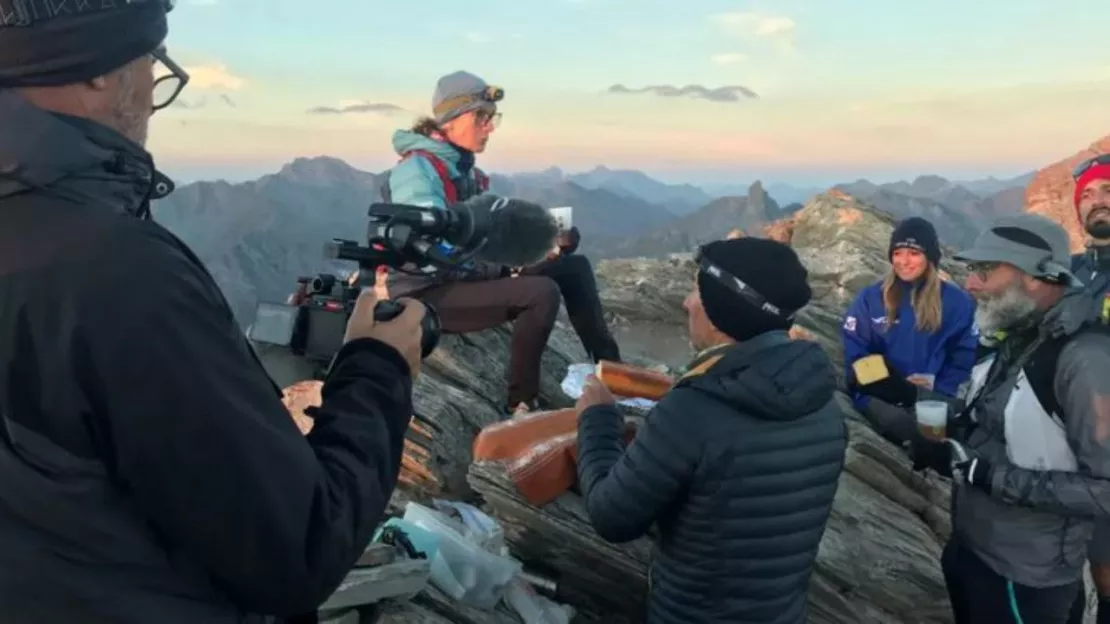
449 190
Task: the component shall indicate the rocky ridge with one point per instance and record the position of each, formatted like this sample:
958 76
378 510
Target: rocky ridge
1052 189
879 560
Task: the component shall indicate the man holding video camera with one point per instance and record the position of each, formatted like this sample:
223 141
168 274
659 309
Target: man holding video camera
150 470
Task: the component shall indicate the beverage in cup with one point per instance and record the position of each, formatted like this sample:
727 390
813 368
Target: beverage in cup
925 380
932 419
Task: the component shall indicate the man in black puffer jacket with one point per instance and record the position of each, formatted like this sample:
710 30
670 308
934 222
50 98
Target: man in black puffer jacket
739 463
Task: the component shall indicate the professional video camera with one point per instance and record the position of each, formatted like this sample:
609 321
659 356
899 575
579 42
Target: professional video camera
407 239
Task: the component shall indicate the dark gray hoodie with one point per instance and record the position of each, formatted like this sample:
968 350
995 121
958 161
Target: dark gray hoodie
1050 475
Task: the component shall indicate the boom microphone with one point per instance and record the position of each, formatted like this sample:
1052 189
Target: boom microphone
517 232
495 229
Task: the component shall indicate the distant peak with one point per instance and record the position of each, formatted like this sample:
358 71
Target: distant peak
320 170
303 164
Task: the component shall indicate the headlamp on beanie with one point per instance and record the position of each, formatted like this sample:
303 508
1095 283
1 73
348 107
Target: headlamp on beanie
751 286
742 288
493 94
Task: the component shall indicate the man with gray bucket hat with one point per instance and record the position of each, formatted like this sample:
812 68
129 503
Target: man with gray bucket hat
1029 454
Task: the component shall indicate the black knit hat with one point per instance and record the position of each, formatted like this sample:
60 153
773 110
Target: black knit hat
769 268
917 234
51 43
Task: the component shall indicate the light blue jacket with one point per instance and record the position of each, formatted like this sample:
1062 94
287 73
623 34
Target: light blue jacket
414 181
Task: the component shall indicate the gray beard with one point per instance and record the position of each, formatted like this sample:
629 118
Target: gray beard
1007 311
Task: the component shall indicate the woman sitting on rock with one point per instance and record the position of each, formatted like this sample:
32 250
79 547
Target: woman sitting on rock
920 327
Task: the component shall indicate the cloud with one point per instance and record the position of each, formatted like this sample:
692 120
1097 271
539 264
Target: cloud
728 58
731 93
750 24
214 77
477 37
357 106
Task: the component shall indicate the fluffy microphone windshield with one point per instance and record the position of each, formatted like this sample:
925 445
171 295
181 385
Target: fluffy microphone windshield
517 232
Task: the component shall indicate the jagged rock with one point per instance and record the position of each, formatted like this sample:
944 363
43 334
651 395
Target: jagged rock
1052 189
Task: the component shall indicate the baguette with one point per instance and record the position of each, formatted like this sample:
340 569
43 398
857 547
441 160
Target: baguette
633 381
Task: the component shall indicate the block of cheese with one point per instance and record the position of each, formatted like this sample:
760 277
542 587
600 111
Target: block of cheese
870 369
633 381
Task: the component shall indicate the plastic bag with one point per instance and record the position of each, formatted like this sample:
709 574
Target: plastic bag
534 608
462 568
575 383
481 529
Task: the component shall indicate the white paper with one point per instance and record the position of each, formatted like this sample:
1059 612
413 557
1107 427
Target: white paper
575 382
563 216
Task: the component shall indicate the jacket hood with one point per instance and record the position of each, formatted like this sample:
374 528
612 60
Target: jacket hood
770 377
407 140
73 158
1076 308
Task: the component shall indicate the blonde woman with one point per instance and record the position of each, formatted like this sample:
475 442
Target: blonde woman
921 325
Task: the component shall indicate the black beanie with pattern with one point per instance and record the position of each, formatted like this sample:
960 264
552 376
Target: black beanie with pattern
768 267
50 43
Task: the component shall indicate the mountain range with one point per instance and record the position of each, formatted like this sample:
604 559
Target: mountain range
257 237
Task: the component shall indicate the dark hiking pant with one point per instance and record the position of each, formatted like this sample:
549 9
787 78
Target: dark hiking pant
532 301
980 596
575 277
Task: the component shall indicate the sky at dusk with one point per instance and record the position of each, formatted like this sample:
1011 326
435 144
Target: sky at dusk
800 91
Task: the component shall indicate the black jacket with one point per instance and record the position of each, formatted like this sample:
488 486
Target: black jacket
738 465
1092 267
148 469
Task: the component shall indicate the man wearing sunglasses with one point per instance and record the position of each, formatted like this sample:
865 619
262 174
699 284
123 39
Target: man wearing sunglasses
1030 454
148 469
1092 267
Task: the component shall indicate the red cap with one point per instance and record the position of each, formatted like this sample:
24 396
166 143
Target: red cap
1098 172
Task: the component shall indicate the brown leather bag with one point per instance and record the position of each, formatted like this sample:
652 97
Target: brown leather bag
540 452
510 438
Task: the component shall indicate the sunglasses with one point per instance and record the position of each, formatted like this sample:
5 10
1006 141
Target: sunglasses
1086 165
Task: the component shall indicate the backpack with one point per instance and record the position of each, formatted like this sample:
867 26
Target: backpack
1040 369
454 191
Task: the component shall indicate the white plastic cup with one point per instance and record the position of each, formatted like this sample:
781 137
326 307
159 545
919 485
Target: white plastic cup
932 419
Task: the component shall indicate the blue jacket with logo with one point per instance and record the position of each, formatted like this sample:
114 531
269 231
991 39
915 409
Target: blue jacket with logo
948 353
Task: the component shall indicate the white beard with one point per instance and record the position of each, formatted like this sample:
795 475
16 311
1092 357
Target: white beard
1010 309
